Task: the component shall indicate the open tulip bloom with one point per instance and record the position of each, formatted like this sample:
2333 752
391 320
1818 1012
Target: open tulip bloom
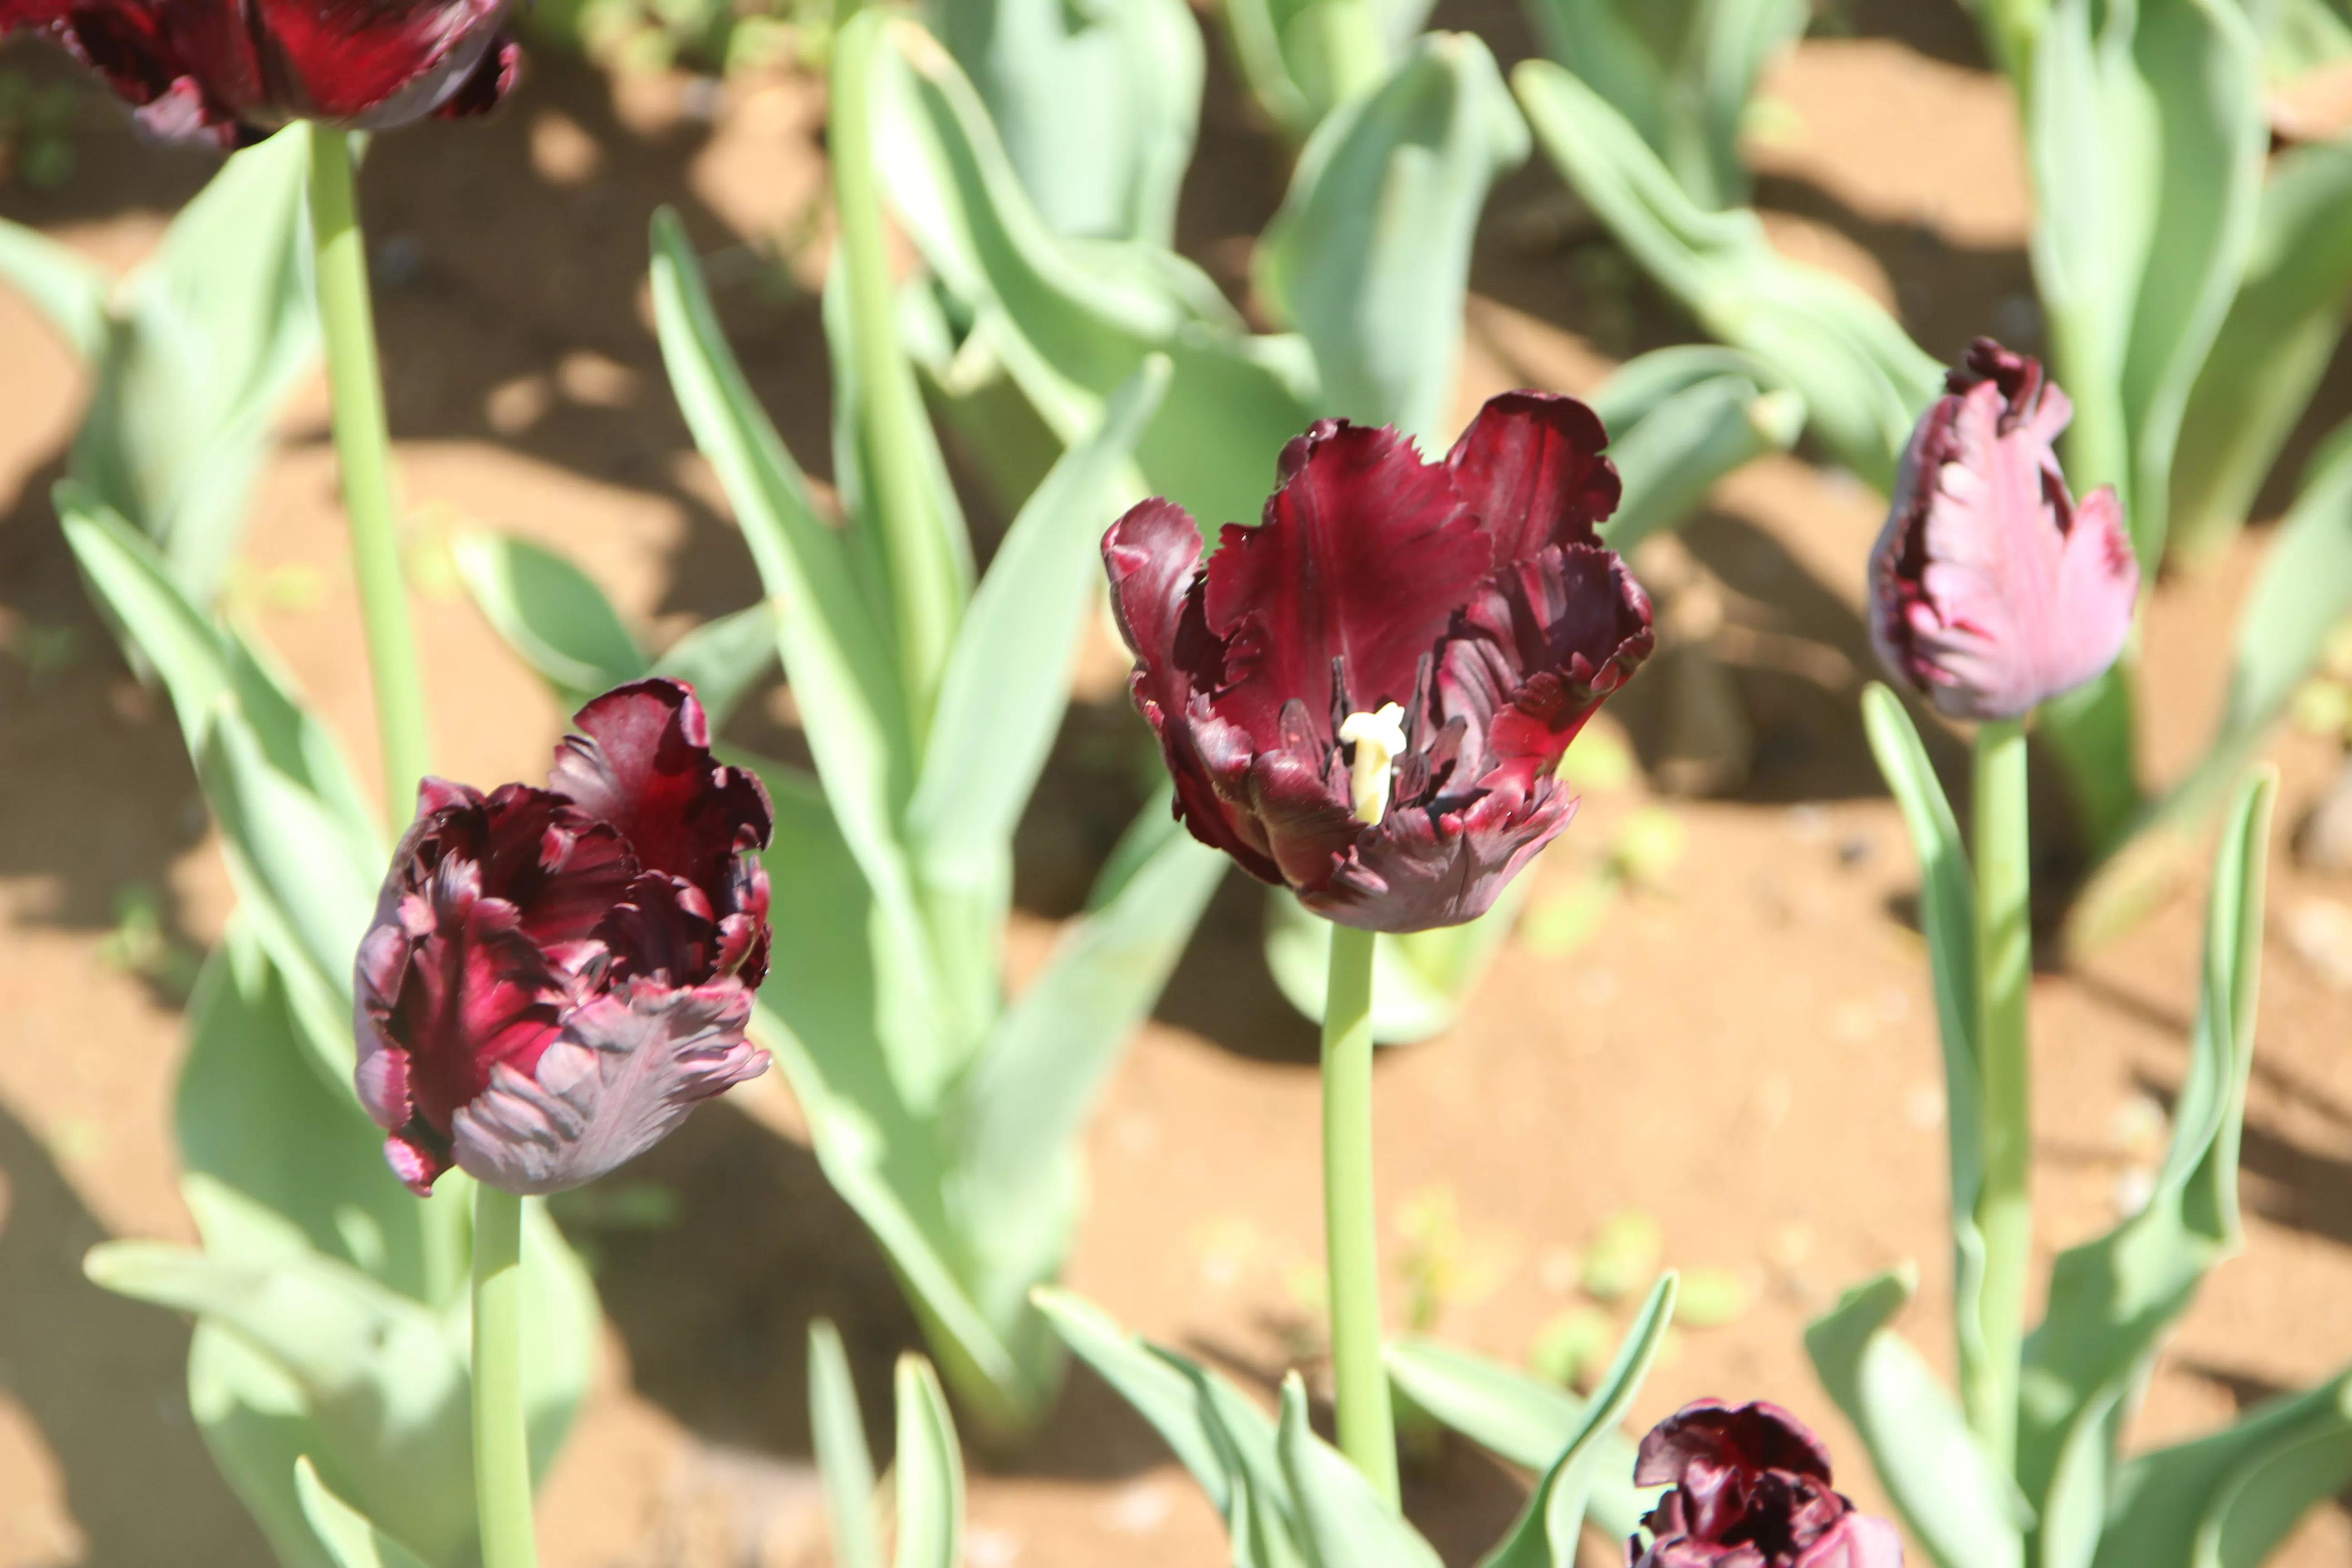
231 71
1363 699
1748 1487
557 976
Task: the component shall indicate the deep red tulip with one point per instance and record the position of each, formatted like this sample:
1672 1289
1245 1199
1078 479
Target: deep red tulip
1991 588
556 976
232 71
1364 696
1751 1489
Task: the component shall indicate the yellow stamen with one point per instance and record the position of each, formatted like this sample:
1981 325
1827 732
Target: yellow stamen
1378 740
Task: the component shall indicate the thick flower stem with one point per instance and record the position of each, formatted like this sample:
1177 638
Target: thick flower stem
2004 972
1351 1223
363 449
502 1440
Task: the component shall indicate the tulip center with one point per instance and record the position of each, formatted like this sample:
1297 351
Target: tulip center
1378 740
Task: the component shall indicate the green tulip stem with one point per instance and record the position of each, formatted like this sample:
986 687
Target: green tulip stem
502 1440
363 449
1351 1223
2004 972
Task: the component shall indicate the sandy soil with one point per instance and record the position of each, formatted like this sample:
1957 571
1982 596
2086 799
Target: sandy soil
1746 1053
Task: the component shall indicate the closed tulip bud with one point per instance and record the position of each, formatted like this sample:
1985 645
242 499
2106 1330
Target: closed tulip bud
230 72
1749 1487
1990 589
555 977
1364 696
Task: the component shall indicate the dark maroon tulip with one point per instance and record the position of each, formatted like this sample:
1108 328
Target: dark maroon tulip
1364 696
1751 1489
232 71
1990 589
556 976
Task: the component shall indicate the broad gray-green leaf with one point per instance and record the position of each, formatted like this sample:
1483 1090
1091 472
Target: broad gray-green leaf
1680 71
2301 594
1864 381
1302 58
843 1459
1022 1110
2228 1499
1003 696
1547 1531
1072 322
1954 1497
2267 360
349 1538
723 659
257 1426
1527 1422
1369 256
1346 1524
1672 458
53 278
1948 919
842 667
2142 122
203 344
2111 1299
929 1473
550 613
1227 1443
1097 103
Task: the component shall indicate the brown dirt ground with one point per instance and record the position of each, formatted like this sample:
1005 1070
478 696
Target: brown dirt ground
1748 1052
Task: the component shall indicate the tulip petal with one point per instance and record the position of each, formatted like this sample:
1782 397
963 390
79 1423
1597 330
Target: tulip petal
1709 1434
627 1070
1364 556
346 61
1529 468
641 761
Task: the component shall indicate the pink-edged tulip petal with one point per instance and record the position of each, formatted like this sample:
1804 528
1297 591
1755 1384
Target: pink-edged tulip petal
625 1071
1472 593
507 919
1992 590
1748 1487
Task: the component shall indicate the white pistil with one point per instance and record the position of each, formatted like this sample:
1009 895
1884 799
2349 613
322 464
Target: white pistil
1378 740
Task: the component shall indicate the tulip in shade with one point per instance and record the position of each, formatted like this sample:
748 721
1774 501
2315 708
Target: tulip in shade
1364 696
232 71
1990 589
1751 1489
555 977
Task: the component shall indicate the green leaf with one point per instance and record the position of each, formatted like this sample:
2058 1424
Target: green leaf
1955 1500
1675 455
1681 72
2271 350
350 1538
1529 1422
2227 1499
1346 1524
1097 103
1002 698
1547 1531
203 346
1021 1112
1369 256
1225 1442
929 1473
550 613
1302 58
2302 593
723 659
2110 1299
1072 322
257 1426
842 669
2145 122
54 280
843 1459
1947 904
1862 381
